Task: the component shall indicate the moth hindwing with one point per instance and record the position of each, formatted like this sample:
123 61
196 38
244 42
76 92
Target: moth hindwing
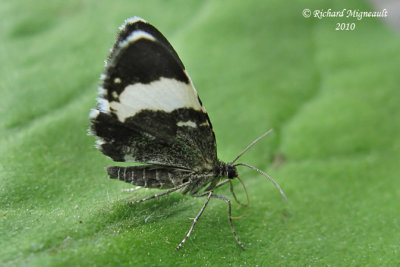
149 112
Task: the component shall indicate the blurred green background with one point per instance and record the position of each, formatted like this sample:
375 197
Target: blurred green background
332 98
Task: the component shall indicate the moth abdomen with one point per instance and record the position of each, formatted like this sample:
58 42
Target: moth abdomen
149 176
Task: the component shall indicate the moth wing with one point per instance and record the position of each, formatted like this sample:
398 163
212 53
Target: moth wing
148 110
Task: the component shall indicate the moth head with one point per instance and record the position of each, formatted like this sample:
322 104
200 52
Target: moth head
231 171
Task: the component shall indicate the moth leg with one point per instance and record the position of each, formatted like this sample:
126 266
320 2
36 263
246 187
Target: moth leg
230 188
234 195
207 191
196 219
229 218
159 194
132 189
221 183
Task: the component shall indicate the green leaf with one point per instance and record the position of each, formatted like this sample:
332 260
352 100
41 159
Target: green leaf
332 98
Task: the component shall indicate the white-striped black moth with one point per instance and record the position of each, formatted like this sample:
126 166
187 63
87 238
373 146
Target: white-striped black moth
148 111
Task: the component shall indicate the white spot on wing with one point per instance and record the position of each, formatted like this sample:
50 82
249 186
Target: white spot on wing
99 142
117 80
101 91
131 20
164 94
186 123
134 36
103 105
93 113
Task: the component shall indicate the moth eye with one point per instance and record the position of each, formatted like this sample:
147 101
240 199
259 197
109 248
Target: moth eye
231 172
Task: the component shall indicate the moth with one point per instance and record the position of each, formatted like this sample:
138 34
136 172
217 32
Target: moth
149 112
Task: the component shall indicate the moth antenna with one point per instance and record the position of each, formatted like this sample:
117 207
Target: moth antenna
247 198
250 146
266 176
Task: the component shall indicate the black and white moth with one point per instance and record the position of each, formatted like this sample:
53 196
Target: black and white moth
148 111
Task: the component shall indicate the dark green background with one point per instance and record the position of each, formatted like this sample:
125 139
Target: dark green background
332 98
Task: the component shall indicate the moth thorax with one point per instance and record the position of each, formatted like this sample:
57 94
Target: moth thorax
227 170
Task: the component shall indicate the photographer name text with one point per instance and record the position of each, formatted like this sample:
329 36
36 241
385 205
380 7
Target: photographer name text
344 13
